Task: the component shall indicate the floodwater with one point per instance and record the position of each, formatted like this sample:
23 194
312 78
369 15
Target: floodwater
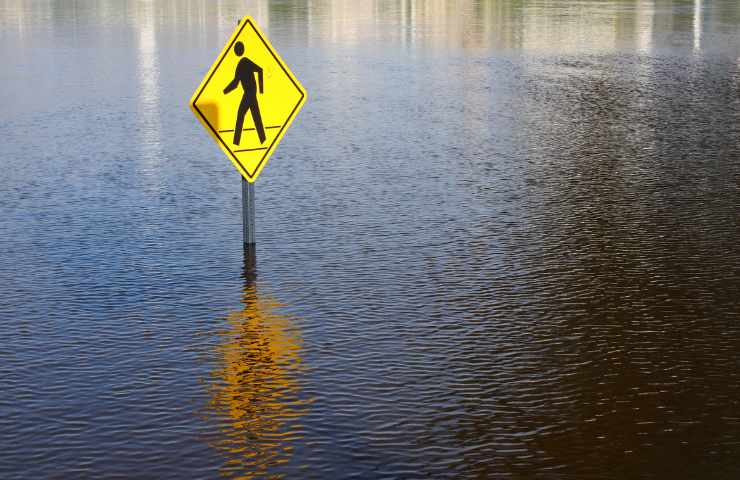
501 240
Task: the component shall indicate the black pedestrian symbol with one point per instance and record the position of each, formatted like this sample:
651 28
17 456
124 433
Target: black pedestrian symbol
244 74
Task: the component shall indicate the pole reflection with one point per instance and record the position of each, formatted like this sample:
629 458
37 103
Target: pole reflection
697 21
148 76
255 391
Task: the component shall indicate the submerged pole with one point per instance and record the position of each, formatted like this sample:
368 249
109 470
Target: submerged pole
250 254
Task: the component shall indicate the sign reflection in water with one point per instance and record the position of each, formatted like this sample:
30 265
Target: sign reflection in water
255 392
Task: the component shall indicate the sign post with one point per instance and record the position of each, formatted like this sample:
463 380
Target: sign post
246 101
248 217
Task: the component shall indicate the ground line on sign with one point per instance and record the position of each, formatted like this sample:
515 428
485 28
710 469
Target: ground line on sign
247 129
250 149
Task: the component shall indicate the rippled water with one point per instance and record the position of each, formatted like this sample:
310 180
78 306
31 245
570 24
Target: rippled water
499 241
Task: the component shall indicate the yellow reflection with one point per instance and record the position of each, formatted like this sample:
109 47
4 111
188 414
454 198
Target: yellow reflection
255 391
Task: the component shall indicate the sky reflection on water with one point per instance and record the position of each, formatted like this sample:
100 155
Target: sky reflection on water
500 240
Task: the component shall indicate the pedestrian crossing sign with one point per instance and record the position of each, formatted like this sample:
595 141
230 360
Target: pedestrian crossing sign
248 99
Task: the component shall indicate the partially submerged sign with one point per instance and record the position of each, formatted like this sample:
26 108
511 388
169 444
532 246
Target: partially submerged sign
248 99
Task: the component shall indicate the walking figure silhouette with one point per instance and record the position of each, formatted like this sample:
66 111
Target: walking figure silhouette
244 74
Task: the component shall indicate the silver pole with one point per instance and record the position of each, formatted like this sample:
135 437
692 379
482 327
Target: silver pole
248 211
250 251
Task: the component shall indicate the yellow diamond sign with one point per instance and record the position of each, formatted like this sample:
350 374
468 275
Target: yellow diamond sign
248 99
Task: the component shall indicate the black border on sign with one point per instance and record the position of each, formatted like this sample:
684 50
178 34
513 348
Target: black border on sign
215 132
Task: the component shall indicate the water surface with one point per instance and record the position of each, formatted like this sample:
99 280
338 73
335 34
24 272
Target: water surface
501 240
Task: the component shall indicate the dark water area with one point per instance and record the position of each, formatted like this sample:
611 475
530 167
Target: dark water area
501 240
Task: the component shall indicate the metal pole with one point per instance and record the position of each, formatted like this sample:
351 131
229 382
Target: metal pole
250 254
248 211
